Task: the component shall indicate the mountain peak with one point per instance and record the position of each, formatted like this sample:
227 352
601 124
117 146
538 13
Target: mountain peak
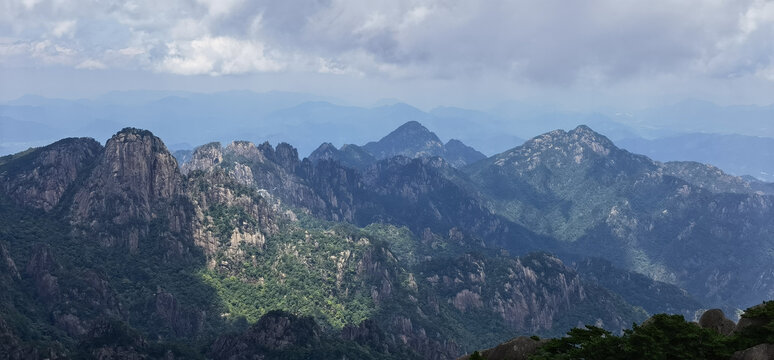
415 130
410 139
326 151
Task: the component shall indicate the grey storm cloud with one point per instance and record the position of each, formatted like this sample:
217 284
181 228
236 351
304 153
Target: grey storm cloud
548 41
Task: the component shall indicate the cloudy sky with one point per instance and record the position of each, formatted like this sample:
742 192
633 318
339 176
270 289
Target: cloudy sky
455 52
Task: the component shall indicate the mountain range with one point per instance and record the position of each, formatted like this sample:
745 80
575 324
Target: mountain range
686 131
406 247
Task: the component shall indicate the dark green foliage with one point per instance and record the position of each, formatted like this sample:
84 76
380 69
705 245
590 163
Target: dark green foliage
476 356
760 329
661 337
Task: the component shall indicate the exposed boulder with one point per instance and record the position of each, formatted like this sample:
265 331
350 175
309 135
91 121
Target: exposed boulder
519 348
714 319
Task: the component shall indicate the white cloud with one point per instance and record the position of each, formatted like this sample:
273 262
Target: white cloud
91 64
64 28
547 43
131 51
217 56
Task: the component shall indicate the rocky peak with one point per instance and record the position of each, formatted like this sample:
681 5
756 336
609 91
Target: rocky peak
563 149
40 177
204 158
595 141
326 151
245 150
135 180
286 156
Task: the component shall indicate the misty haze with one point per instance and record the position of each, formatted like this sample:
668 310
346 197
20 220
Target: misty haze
386 180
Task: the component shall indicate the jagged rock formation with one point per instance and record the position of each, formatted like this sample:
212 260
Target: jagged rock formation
41 176
228 212
203 158
136 181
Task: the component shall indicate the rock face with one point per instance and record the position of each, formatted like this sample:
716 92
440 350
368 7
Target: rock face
7 264
519 348
714 319
45 174
203 158
757 352
41 268
136 181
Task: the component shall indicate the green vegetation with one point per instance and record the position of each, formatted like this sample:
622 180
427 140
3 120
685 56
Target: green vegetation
309 273
662 337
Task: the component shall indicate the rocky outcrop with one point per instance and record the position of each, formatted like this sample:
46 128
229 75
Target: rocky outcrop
276 330
39 178
519 348
136 182
7 264
41 268
204 157
286 156
757 352
714 319
182 321
228 213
